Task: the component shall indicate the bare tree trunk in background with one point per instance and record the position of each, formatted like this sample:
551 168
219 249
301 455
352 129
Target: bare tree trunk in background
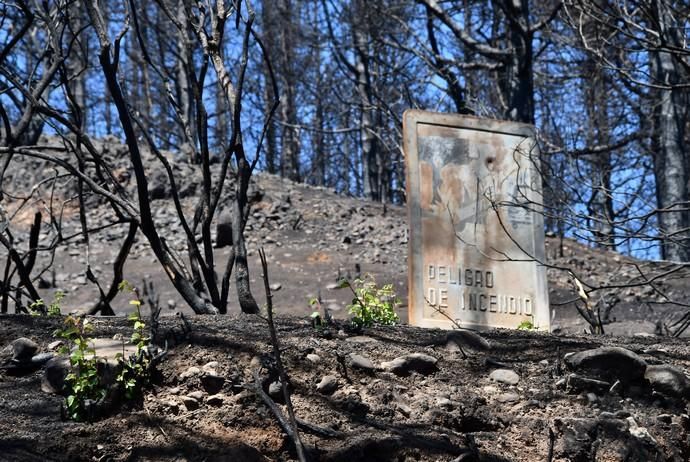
600 205
670 160
268 37
368 142
290 163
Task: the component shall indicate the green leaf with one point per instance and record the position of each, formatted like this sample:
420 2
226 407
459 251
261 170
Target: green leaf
343 284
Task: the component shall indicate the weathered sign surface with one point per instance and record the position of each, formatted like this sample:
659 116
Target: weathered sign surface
476 231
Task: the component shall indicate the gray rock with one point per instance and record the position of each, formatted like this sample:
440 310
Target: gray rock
197 395
609 362
327 385
23 349
664 418
468 338
190 403
414 362
360 362
53 380
55 345
212 383
224 229
41 358
275 390
505 376
215 400
668 380
509 397
191 372
276 287
314 358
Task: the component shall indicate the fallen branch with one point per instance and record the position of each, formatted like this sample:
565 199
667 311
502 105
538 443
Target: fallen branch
290 429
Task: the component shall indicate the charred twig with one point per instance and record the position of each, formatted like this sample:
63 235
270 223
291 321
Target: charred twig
290 429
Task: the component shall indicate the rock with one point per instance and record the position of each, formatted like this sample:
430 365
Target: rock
197 395
275 390
55 345
191 372
361 339
609 362
41 358
668 380
171 304
360 362
190 403
224 229
664 418
444 403
23 349
640 432
404 409
210 367
327 385
314 358
276 287
215 400
212 383
592 397
509 397
53 380
468 338
507 376
414 362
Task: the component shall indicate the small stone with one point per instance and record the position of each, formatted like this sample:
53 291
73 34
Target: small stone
327 385
215 400
609 362
361 339
53 380
360 362
211 366
314 358
175 390
41 358
275 390
668 380
414 362
509 397
55 345
665 418
23 349
197 395
276 287
191 372
190 403
444 403
404 409
544 362
507 376
171 304
592 398
212 383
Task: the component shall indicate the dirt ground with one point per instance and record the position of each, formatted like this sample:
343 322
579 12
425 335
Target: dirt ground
452 411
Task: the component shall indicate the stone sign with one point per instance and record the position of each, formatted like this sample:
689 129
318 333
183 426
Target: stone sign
476 231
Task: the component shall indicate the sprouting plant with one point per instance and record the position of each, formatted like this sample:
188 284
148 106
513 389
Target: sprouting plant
525 325
83 382
134 372
371 304
39 307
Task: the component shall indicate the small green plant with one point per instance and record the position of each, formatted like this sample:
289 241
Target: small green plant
525 325
83 383
134 371
372 304
38 307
